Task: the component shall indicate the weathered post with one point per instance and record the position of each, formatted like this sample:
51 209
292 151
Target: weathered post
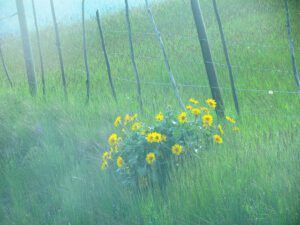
4 67
132 55
206 53
106 56
26 48
85 56
225 49
291 44
39 47
58 45
162 46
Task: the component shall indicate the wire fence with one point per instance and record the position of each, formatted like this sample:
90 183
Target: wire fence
259 48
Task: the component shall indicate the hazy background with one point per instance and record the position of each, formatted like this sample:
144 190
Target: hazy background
67 11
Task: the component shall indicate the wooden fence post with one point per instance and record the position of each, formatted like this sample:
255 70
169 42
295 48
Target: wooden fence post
106 56
58 45
225 49
39 47
4 67
162 46
26 48
132 55
210 69
85 54
291 44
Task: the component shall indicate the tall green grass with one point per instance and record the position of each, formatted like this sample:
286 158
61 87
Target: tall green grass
50 148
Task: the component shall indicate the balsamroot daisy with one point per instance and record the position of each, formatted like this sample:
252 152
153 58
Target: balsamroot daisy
150 158
218 139
136 126
113 139
155 137
196 111
117 121
119 162
106 156
127 118
204 109
194 101
189 107
211 102
159 117
229 119
177 149
104 165
182 117
207 120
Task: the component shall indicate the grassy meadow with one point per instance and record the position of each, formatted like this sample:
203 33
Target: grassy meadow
50 149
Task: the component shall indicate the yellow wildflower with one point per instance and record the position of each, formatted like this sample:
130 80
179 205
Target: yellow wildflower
127 119
196 112
136 126
182 117
229 119
236 129
177 149
207 120
220 128
117 121
150 158
218 139
159 117
120 162
113 139
106 156
204 109
194 101
154 137
104 165
134 117
189 107
211 102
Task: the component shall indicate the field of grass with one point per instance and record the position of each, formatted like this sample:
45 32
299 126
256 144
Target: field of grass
50 149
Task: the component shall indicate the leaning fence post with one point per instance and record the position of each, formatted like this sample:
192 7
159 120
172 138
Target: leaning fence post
162 46
132 55
106 56
233 89
85 54
39 47
209 66
26 48
58 45
4 67
291 44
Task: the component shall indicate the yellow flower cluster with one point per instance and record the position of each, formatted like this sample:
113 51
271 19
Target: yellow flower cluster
130 122
155 137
